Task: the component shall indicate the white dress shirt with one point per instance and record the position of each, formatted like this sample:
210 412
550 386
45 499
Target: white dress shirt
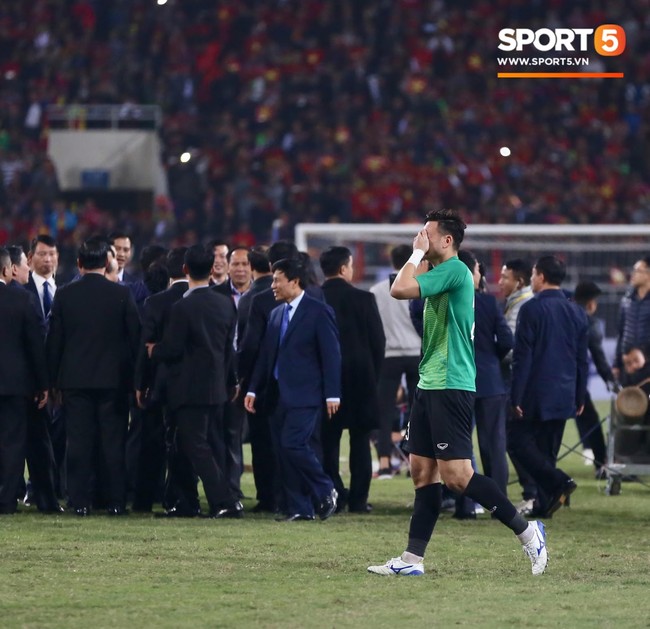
39 280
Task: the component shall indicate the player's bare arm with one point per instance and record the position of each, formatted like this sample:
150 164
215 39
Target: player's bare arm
405 285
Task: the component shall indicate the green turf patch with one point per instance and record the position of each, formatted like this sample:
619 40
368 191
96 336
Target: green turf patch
139 571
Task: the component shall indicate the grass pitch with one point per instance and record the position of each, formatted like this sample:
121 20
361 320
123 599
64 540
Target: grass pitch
139 571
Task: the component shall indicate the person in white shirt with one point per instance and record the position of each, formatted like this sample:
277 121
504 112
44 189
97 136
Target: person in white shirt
402 357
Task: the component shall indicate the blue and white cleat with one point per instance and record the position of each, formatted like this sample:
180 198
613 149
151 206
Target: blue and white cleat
536 548
396 567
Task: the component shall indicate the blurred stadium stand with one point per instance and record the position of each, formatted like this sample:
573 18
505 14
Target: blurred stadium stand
322 111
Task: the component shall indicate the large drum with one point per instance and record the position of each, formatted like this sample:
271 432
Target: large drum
632 404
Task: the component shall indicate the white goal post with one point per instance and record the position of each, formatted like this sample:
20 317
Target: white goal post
601 253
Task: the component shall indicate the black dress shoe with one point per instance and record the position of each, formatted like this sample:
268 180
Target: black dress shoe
328 505
367 508
560 496
178 512
342 500
233 511
296 517
117 511
82 512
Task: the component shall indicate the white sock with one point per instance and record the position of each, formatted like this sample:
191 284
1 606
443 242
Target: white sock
527 535
411 558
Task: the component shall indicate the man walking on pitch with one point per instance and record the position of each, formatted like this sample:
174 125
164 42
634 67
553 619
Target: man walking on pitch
439 435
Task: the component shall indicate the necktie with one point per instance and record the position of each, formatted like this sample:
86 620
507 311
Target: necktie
47 299
283 330
285 321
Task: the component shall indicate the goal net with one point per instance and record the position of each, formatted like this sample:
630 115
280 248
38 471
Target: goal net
601 253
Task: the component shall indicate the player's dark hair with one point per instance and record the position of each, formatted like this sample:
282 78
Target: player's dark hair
449 224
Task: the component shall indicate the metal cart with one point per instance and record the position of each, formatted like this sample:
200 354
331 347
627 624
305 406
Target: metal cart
628 448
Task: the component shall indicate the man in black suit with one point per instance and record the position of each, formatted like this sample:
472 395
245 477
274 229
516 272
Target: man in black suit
44 259
20 274
297 373
91 346
38 448
235 287
549 381
261 305
19 266
259 434
197 349
258 258
155 278
591 433
493 339
362 352
150 383
23 376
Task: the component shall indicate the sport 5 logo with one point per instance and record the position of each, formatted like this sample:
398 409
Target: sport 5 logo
608 39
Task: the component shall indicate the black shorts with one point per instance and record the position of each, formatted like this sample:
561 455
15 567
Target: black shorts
440 426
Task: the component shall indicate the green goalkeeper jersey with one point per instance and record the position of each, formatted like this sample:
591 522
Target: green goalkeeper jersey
448 335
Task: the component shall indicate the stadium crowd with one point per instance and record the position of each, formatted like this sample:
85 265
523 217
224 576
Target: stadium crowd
324 111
